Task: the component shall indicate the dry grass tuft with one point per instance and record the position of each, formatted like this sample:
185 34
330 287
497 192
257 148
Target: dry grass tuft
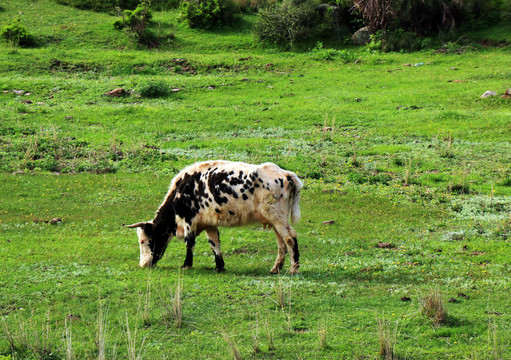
387 338
433 307
322 335
235 351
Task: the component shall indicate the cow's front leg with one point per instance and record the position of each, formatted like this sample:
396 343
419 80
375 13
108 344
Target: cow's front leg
214 243
190 245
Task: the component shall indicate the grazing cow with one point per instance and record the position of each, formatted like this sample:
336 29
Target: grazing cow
210 194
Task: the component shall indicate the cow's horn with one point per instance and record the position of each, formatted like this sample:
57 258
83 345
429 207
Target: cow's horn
139 224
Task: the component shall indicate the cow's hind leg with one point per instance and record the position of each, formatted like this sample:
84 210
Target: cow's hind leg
279 263
214 243
190 245
289 235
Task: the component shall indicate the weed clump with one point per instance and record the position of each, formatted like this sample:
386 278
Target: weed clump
16 34
321 53
153 89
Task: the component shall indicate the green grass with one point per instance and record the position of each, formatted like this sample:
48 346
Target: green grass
415 159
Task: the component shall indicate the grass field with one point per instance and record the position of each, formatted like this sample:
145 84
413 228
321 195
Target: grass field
398 149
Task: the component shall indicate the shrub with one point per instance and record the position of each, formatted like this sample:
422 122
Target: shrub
153 89
17 34
426 17
135 23
397 40
206 14
110 5
288 23
252 6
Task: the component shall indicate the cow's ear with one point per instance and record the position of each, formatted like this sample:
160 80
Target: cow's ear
136 225
148 228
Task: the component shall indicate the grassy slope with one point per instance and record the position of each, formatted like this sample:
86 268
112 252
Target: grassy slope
411 124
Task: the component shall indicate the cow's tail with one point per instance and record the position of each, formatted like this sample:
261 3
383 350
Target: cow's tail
294 198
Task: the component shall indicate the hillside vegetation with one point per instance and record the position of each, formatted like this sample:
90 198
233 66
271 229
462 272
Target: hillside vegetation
400 156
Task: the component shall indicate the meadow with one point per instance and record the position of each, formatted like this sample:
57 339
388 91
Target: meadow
398 153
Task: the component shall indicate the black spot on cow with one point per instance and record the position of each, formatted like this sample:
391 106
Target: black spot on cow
251 190
295 250
245 197
219 185
281 182
276 181
232 212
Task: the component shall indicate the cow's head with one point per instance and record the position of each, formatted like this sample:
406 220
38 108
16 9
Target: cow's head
152 242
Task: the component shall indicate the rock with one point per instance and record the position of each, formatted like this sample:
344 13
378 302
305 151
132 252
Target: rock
384 245
18 92
361 36
328 222
116 92
488 94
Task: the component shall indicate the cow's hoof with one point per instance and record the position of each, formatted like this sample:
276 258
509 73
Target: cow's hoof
294 269
275 270
186 267
220 270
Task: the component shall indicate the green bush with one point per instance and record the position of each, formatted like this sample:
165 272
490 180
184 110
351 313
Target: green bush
17 34
136 24
111 5
397 40
288 23
206 14
153 89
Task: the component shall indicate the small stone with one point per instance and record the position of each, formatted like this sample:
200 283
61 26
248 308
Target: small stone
488 94
116 92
